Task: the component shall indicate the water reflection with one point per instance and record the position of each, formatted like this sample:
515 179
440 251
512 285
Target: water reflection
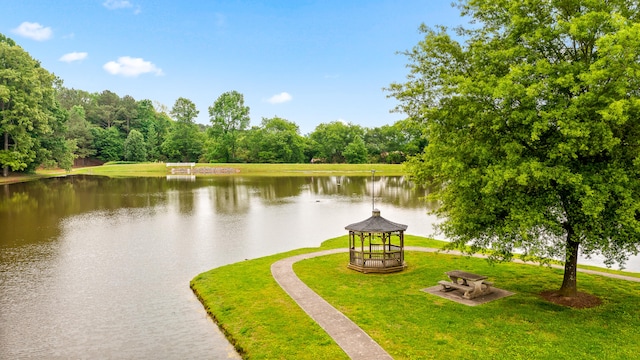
93 267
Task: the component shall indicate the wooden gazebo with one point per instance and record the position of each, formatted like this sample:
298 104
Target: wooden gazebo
376 245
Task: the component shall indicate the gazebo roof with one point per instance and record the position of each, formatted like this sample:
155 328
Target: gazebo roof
376 224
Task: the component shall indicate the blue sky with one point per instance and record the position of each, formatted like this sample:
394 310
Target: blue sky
309 62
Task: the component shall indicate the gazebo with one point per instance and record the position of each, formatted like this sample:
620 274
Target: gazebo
376 245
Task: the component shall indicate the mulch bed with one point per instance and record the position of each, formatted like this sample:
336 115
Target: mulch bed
580 301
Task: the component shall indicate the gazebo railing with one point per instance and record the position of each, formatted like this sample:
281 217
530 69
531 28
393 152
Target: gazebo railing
391 256
383 247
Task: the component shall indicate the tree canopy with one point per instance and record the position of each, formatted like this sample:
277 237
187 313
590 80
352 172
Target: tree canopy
31 123
228 116
331 139
184 141
531 117
276 140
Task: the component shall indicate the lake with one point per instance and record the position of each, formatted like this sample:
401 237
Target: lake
93 267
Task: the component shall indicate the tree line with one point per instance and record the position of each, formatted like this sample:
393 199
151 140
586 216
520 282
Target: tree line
44 123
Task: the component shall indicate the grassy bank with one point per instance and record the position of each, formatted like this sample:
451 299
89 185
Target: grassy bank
160 169
265 323
40 174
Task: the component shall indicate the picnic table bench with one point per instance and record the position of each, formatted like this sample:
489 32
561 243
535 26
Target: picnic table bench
473 285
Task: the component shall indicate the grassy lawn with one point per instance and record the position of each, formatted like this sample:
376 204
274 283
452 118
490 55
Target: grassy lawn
160 169
265 323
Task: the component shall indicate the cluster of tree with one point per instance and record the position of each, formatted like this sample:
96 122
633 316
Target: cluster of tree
534 128
32 124
44 123
111 128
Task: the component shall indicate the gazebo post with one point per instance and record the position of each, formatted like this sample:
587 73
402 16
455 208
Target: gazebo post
384 249
401 235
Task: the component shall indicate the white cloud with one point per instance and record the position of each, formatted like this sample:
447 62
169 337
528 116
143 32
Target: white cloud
131 67
33 31
74 56
117 4
121 4
283 97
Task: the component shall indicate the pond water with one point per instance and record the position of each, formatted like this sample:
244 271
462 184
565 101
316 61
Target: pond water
92 267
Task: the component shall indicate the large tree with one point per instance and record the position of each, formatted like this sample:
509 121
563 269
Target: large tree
229 116
134 147
533 128
331 139
184 140
108 143
355 152
276 140
30 116
79 130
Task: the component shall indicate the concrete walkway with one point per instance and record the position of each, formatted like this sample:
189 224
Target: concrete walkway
349 336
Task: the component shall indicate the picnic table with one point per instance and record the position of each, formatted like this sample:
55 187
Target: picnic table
473 285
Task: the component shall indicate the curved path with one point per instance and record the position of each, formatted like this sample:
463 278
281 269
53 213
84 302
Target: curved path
353 340
349 336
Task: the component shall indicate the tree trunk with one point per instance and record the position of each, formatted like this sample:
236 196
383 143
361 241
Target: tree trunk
569 283
5 169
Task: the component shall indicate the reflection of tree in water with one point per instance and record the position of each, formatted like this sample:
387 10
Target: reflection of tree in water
400 191
278 188
395 190
32 211
230 195
29 212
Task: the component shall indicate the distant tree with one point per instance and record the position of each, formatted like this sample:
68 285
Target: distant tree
29 112
79 130
127 113
331 139
532 128
356 152
394 143
54 151
414 140
153 143
184 111
229 116
103 109
68 98
162 123
183 143
276 140
135 148
184 140
108 143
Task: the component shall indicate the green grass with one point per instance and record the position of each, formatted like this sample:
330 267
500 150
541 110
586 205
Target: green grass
265 323
160 169
122 169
